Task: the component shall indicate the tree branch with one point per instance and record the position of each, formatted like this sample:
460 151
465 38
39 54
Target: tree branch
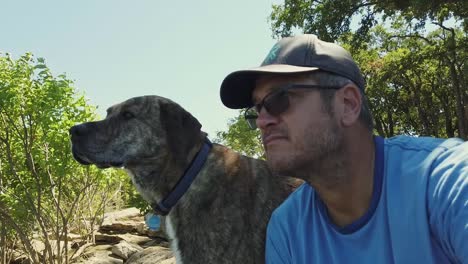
413 36
6 218
444 27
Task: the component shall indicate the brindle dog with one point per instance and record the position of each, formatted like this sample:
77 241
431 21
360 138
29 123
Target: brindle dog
223 215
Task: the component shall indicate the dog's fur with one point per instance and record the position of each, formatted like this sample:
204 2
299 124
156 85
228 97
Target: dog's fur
222 218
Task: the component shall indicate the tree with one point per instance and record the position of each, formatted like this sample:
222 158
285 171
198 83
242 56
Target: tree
241 138
330 19
434 63
407 85
43 192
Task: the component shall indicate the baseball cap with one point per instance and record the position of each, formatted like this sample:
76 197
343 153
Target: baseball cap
303 53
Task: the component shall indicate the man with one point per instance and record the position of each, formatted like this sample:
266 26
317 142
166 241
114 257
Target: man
365 199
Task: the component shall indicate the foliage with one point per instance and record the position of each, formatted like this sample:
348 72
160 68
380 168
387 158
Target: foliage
407 85
241 138
416 80
330 19
133 199
44 193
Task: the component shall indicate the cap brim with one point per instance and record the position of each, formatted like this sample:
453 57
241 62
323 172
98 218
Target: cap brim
236 88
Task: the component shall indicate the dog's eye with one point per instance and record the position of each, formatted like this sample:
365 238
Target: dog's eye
127 115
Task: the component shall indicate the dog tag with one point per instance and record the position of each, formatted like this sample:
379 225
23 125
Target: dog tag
152 221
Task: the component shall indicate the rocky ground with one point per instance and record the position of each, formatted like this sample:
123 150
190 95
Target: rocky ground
124 238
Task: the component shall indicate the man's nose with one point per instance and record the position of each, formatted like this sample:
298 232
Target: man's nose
265 119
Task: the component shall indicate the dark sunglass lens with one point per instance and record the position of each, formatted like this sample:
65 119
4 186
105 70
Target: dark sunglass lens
257 108
277 103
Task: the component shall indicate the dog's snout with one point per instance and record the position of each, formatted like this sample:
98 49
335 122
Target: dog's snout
78 130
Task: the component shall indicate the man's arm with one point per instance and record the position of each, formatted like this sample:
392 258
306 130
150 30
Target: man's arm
448 202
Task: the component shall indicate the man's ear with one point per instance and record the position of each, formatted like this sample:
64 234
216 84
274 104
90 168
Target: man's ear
351 98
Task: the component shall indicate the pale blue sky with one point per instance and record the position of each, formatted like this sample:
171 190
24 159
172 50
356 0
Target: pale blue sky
116 49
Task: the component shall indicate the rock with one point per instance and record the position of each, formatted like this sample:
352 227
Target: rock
69 236
168 261
77 244
79 251
152 255
106 239
121 222
156 242
100 254
122 214
37 245
113 239
125 249
124 236
102 260
156 233
119 228
19 257
90 251
141 229
40 246
135 239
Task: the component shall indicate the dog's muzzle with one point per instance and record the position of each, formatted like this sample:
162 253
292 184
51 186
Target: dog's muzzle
76 133
80 136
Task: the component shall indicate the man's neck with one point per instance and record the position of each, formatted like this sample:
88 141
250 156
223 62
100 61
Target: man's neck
346 189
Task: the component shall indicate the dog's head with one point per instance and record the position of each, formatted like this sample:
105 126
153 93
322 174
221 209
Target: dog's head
142 131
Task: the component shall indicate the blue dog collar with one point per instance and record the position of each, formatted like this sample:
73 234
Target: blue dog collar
165 206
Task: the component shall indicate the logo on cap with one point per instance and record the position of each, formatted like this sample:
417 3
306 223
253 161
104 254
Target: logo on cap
272 55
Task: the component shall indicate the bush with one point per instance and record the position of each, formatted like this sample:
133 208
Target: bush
44 193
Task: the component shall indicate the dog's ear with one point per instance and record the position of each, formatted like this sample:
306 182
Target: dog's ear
182 129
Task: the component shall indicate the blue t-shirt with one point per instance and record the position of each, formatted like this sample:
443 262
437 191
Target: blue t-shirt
418 212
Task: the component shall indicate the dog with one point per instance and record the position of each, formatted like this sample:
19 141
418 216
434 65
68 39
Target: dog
219 211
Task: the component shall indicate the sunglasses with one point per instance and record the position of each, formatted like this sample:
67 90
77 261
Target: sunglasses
277 102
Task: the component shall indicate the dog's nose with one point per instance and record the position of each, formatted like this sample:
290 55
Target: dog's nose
78 130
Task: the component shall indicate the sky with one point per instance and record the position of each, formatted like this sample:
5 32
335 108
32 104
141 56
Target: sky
114 49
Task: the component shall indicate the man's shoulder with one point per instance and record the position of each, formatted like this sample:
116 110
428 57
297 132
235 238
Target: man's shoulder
415 165
428 144
408 149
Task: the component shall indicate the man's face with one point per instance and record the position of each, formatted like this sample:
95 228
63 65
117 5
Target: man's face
298 140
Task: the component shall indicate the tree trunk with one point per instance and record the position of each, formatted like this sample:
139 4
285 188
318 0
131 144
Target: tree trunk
459 93
3 245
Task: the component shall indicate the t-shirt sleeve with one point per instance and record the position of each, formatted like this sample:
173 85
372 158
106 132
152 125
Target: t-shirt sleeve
276 243
448 202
